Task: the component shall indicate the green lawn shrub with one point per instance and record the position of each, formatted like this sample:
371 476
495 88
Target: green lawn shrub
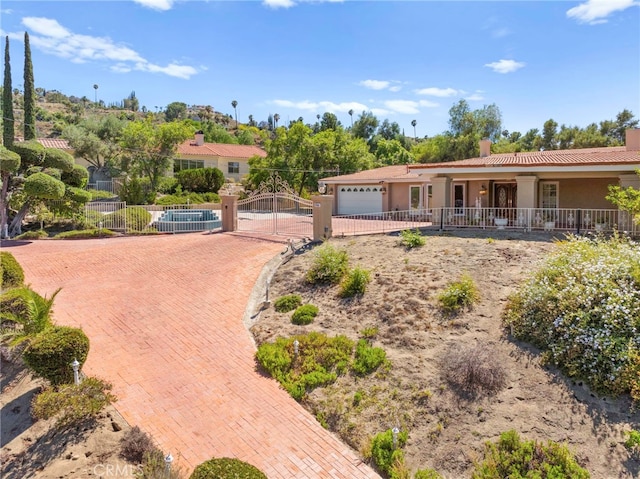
355 282
49 354
515 458
85 234
226 468
458 295
100 195
137 191
73 404
582 308
427 474
287 303
135 217
367 358
387 458
200 180
26 311
12 272
167 185
304 314
474 370
412 239
188 198
329 265
633 441
32 235
319 361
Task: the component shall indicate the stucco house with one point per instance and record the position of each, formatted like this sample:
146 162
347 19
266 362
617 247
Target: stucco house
559 180
232 160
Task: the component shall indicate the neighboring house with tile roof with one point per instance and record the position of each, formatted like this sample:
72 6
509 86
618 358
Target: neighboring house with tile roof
553 179
232 160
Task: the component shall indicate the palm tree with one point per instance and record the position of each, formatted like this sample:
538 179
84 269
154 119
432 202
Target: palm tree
234 104
30 314
95 87
413 124
351 115
276 117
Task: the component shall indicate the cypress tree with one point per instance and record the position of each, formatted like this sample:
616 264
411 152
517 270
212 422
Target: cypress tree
29 93
7 101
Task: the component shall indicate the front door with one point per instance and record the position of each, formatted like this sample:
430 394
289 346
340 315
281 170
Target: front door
506 196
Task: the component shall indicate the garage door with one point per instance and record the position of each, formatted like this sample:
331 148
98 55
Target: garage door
359 199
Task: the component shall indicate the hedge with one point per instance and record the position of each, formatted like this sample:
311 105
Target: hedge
12 273
226 468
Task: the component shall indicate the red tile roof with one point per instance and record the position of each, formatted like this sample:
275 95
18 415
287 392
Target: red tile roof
385 173
579 157
189 147
55 143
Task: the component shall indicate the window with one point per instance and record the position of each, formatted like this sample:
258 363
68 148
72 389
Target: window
549 194
415 200
233 167
179 165
429 195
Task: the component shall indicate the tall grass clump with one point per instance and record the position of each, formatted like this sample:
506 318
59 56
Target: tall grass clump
412 239
458 295
387 456
355 282
287 303
512 457
582 308
329 265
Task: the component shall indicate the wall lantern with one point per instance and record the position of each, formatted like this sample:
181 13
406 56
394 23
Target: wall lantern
483 190
322 188
383 189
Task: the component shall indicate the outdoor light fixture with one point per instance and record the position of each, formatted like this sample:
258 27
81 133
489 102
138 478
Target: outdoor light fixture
76 366
296 345
167 462
483 190
322 188
383 189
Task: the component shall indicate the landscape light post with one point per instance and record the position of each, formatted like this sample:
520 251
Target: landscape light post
76 376
167 463
395 432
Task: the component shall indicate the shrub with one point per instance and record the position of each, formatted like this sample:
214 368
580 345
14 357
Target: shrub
100 195
304 314
512 457
167 185
287 303
582 308
12 272
78 177
134 217
329 265
474 369
633 440
33 235
355 282
50 353
26 309
137 191
368 359
226 468
44 186
458 294
411 239
188 198
85 234
201 180
154 467
135 443
319 361
73 404
427 474
383 452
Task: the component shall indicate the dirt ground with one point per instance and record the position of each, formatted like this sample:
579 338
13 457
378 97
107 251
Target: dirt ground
446 431
36 449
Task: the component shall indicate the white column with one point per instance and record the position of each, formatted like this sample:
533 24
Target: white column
527 191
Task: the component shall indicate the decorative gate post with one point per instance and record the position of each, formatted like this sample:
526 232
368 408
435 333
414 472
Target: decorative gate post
229 212
322 208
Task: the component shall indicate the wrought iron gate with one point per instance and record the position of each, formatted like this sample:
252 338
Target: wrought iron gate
275 209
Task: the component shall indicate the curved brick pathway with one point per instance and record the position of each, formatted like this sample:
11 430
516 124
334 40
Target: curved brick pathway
164 315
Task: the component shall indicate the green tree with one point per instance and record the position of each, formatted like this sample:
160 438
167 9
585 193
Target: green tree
329 122
436 149
176 110
624 121
389 130
391 152
149 149
549 135
9 165
8 128
29 95
131 102
627 199
590 137
365 126
234 104
96 140
413 124
351 115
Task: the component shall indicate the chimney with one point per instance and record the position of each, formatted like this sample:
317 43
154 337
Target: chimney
632 139
485 148
199 138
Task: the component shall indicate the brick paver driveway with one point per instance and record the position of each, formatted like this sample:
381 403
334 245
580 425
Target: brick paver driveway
164 315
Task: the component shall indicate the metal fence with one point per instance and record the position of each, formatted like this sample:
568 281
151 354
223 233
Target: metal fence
109 186
577 221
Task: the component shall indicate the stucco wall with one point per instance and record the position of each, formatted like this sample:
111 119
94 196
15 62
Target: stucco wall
585 193
398 197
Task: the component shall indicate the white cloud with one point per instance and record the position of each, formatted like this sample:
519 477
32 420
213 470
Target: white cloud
403 106
49 36
290 3
6 11
161 5
596 11
312 106
439 92
380 111
428 104
375 84
475 97
505 66
500 32
395 88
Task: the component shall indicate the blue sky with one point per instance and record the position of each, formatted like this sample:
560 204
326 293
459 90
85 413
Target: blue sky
574 61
